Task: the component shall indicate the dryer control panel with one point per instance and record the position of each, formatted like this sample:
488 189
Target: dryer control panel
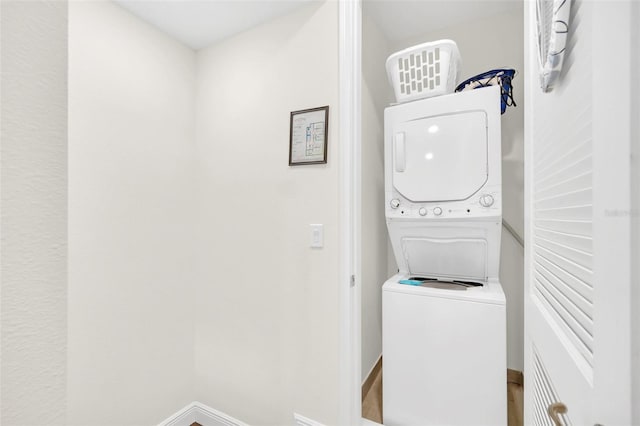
485 203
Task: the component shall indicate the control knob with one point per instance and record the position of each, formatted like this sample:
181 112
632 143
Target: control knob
486 200
422 211
395 203
437 211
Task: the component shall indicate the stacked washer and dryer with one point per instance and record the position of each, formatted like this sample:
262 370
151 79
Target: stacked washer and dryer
443 314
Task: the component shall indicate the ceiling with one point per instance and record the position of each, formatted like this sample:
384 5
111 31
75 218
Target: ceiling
200 23
401 19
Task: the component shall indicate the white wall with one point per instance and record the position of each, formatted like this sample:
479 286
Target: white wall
488 43
376 95
266 305
34 212
131 219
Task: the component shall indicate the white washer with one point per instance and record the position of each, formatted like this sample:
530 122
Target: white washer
444 349
444 355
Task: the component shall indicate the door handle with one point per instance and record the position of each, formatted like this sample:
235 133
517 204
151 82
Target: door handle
555 410
399 152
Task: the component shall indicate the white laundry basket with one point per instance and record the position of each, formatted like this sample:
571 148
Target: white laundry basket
425 70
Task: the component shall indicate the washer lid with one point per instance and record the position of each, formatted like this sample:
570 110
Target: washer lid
490 293
440 158
449 258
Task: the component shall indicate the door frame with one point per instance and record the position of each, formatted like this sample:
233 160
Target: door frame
350 179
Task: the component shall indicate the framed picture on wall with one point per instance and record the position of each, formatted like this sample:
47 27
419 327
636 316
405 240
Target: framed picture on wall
308 136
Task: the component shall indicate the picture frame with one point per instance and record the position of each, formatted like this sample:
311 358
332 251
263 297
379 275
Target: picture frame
308 136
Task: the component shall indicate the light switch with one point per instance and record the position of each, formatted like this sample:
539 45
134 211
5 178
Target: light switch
317 235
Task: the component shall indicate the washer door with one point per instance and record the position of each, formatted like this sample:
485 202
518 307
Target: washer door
441 158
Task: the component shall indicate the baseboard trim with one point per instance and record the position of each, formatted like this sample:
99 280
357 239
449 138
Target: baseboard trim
368 382
184 417
305 421
515 376
197 412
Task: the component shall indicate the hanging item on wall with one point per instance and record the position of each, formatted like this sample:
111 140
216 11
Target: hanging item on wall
308 136
552 21
499 77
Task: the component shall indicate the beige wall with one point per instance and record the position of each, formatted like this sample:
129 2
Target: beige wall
131 219
34 212
255 315
376 95
267 305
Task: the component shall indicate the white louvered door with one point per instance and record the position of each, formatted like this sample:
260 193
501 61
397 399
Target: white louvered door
577 324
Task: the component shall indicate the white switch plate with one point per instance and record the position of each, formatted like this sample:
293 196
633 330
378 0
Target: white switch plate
317 235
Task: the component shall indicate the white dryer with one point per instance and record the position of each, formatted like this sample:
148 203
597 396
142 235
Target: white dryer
444 337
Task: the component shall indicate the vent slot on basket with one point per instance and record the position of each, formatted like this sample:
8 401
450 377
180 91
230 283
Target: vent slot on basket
419 71
424 70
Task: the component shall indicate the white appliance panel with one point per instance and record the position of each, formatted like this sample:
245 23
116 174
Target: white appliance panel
466 256
441 158
441 354
457 179
447 249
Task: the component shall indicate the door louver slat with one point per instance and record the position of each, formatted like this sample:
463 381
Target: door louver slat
582 291
544 394
584 274
582 212
579 167
580 228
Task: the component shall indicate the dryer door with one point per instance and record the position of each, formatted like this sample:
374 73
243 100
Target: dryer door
440 158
